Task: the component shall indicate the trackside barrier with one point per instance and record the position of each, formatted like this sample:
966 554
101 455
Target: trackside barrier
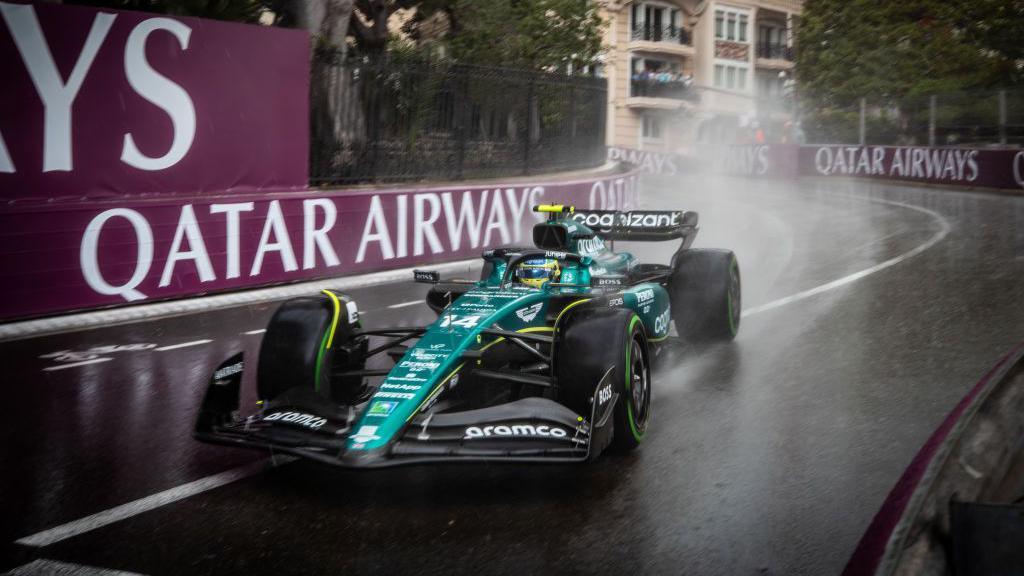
72 256
970 469
973 167
154 157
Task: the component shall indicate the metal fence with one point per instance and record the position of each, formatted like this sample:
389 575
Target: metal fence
389 120
989 118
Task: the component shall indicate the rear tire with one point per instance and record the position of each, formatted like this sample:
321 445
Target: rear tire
592 341
307 340
706 295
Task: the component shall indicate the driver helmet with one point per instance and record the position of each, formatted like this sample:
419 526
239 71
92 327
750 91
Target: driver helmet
538 271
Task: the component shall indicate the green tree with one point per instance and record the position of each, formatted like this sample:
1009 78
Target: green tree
899 52
535 34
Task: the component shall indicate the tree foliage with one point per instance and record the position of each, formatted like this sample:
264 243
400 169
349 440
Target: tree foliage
878 49
534 34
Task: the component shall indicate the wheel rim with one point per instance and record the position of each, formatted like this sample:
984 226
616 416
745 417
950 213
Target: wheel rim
640 387
735 304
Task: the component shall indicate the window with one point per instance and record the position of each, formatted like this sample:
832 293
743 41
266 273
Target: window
655 23
731 25
731 77
650 127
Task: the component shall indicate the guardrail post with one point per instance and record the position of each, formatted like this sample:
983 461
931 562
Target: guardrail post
863 122
1002 117
931 120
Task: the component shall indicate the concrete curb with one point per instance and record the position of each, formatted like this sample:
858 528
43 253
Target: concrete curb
143 312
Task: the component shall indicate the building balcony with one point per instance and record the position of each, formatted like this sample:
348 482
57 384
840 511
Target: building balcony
775 55
662 95
665 39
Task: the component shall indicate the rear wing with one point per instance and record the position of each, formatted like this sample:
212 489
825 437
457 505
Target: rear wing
642 225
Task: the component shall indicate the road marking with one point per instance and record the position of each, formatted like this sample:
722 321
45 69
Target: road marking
55 568
182 345
73 364
404 304
260 331
152 502
938 237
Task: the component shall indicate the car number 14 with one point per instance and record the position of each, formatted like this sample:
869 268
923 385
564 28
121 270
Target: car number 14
463 321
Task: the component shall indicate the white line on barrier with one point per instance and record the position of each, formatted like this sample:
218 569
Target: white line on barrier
404 304
251 332
136 507
73 364
182 345
43 566
945 228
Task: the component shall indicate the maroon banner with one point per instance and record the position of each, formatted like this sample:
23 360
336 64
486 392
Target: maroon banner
957 166
758 160
102 103
73 256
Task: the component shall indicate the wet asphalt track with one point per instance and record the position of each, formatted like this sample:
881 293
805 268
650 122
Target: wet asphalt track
767 456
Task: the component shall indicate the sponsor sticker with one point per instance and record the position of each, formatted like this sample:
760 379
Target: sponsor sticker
353 312
227 371
515 431
613 302
530 312
381 408
604 394
414 365
298 418
390 386
366 434
644 296
395 395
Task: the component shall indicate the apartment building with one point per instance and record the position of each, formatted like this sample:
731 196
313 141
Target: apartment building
686 73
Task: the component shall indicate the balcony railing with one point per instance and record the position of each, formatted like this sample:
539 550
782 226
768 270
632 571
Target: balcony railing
654 88
775 51
673 34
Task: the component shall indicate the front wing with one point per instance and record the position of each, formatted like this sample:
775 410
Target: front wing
303 423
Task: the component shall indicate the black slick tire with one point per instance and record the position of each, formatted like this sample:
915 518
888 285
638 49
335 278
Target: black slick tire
706 296
590 342
307 340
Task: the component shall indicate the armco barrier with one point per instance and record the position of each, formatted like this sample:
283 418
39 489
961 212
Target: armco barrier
70 256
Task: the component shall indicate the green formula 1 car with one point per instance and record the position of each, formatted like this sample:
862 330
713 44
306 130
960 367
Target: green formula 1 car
547 358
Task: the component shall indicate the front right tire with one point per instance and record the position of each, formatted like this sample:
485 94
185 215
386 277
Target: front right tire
590 343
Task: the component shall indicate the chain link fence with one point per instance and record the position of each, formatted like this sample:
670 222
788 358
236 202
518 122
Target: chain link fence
394 120
988 118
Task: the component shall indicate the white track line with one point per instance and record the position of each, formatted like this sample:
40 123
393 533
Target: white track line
938 237
182 345
106 517
73 364
148 503
251 332
404 304
54 568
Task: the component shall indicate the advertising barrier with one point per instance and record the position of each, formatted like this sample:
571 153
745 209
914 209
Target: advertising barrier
73 256
102 103
995 168
759 160
956 166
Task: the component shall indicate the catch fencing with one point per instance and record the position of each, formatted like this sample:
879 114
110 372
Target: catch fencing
969 118
407 119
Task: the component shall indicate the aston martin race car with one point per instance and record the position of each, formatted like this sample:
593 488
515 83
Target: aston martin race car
546 358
